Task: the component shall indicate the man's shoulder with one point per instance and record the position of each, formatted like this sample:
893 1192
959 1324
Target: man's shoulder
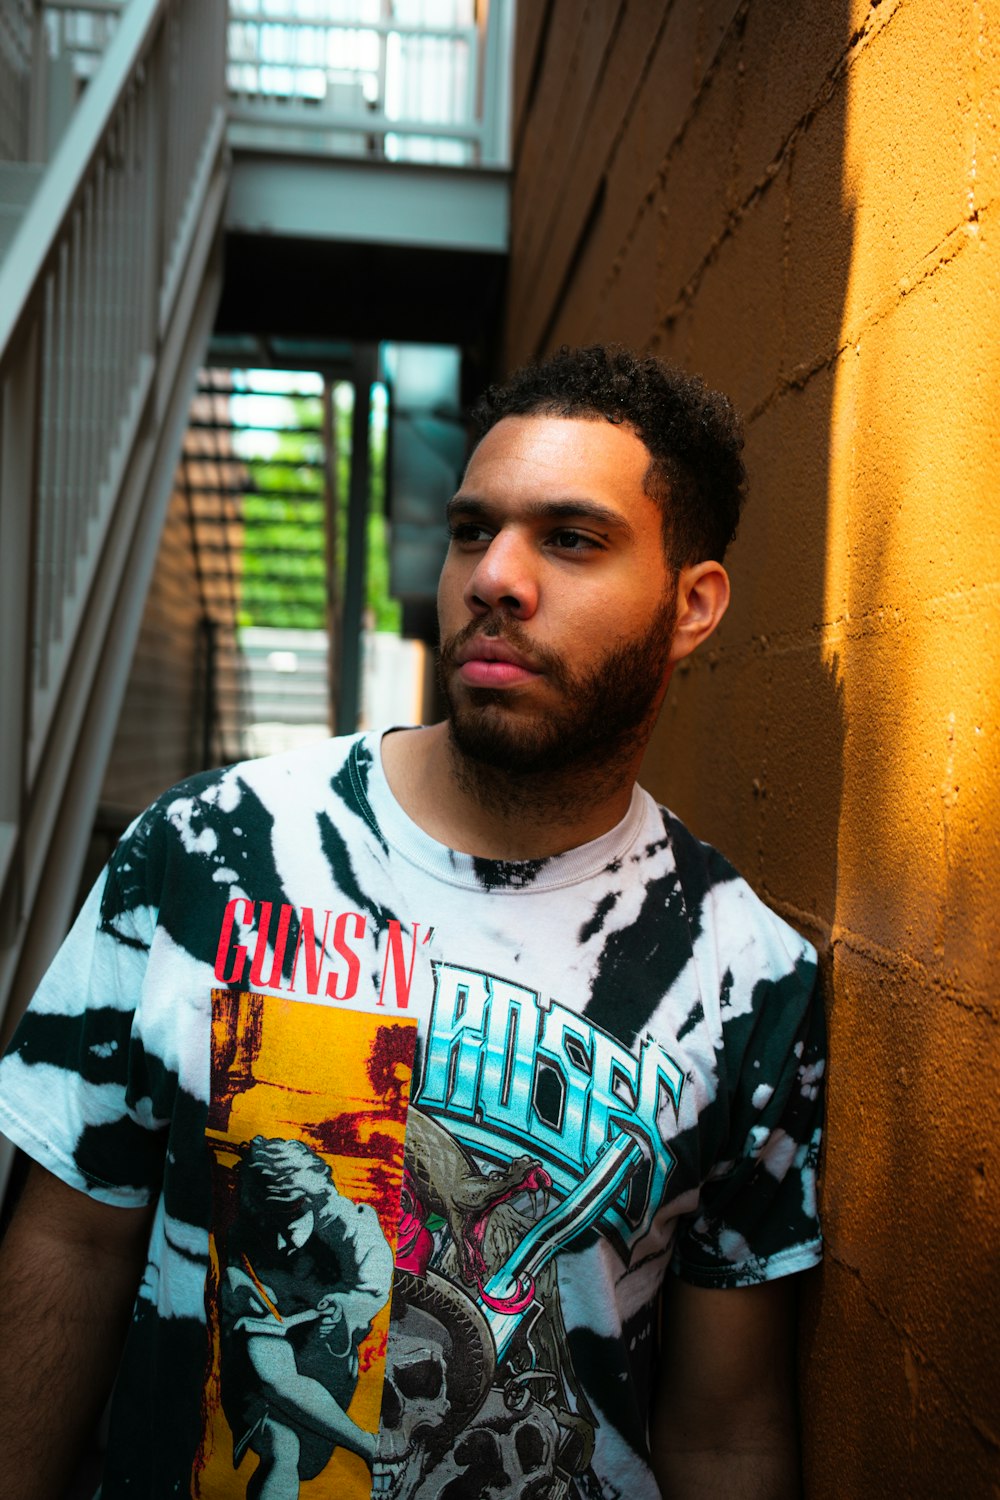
716 895
241 800
322 757
289 773
700 866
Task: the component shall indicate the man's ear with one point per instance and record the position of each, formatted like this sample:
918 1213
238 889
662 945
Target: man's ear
702 600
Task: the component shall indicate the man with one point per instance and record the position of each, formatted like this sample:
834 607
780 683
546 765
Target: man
602 1049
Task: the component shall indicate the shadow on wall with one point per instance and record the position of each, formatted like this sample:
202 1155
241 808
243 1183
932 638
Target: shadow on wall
753 260
753 272
700 215
753 265
909 1303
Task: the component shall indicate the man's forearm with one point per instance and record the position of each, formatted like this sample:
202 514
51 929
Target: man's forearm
763 1472
724 1422
65 1303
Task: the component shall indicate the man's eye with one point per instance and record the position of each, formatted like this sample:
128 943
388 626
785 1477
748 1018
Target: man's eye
467 532
573 541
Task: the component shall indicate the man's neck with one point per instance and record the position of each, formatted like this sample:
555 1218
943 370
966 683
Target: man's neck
488 813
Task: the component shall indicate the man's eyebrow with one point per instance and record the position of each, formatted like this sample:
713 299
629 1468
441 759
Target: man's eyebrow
569 509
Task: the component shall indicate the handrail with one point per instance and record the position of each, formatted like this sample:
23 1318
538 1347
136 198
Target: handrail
93 7
360 122
342 23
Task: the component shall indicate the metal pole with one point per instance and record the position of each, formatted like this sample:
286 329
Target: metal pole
496 84
209 710
356 571
334 610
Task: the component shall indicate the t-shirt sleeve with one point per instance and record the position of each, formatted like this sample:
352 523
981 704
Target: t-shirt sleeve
72 1091
757 1215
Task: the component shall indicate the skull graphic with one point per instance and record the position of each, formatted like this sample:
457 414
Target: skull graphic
439 1364
508 1452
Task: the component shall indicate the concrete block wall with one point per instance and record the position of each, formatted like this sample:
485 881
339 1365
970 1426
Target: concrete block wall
800 202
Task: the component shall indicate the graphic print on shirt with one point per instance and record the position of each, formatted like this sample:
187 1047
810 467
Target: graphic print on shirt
531 1129
305 1128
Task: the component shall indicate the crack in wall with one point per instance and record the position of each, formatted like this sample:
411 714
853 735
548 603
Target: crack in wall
830 633
954 243
900 964
828 936
879 18
545 232
859 41
907 1340
647 198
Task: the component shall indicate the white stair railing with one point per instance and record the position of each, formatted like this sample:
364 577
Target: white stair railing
105 306
335 78
107 292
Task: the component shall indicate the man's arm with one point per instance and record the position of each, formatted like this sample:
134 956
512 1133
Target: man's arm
69 1269
723 1423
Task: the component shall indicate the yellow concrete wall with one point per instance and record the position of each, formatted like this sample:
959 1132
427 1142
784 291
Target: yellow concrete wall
801 203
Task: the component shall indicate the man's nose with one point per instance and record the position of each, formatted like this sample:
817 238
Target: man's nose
504 578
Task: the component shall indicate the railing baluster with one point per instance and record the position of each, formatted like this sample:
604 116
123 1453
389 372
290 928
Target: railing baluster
116 182
15 81
142 239
153 215
87 393
173 84
21 401
62 544
103 272
78 497
133 269
46 502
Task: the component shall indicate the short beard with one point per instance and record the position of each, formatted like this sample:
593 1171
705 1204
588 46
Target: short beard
604 720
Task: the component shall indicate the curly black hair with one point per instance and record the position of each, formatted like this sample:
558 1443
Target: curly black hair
693 435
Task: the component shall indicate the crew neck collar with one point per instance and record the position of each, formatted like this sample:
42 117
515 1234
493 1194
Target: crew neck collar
508 877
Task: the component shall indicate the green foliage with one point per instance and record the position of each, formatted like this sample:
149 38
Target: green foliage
387 612
284 550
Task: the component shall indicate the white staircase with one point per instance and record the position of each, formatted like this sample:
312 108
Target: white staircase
116 135
109 278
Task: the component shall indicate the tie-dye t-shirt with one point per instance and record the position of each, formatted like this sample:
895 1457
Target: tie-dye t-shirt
424 1131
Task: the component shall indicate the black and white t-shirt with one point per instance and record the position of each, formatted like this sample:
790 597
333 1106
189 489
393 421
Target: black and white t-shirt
424 1131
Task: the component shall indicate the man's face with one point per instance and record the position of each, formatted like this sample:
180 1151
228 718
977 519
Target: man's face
291 1235
556 602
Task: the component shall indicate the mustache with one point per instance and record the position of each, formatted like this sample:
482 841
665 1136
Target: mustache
498 626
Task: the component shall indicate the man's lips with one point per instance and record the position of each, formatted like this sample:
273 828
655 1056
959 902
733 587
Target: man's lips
489 662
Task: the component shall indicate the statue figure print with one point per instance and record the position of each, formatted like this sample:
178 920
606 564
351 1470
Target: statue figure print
306 1270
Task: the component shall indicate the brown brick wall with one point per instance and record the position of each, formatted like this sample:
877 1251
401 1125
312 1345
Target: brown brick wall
800 203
